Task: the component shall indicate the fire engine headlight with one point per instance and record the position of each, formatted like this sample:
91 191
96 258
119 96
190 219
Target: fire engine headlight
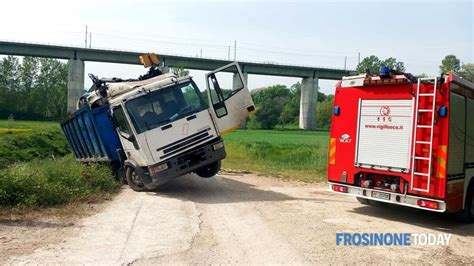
158 168
218 145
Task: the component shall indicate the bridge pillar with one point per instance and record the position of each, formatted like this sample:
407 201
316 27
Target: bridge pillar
308 101
164 69
75 83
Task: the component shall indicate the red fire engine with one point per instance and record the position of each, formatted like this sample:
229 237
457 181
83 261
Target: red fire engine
407 141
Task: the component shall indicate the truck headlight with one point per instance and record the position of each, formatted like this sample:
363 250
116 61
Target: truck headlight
158 168
218 145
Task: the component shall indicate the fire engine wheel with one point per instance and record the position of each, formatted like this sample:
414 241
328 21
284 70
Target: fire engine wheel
209 170
363 201
467 215
134 181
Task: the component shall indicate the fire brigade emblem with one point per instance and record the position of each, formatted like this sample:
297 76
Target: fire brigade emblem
385 111
345 138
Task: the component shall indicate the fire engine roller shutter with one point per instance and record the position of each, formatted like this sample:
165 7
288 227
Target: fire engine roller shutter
385 134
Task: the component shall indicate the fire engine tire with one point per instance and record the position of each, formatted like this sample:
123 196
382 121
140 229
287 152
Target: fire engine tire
467 215
377 203
134 181
363 201
209 170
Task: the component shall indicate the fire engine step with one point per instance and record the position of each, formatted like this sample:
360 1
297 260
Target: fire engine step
427 94
425 110
423 126
422 142
422 174
422 158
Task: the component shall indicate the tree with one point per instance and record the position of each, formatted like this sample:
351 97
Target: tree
392 63
467 72
36 88
179 70
450 63
28 77
270 102
290 112
9 85
324 113
373 64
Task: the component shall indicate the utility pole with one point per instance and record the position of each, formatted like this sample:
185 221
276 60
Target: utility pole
228 53
90 40
235 50
201 52
345 62
85 40
358 60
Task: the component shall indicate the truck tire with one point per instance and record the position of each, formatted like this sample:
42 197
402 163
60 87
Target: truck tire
134 181
209 170
467 215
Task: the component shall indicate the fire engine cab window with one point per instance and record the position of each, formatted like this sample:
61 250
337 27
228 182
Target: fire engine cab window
164 106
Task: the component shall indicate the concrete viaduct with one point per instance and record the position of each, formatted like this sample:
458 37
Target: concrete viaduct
77 56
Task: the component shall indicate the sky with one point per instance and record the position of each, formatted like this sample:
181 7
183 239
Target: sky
309 33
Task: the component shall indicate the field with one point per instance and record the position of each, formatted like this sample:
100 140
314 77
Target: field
288 154
22 141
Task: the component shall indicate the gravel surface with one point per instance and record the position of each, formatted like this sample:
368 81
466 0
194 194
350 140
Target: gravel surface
231 218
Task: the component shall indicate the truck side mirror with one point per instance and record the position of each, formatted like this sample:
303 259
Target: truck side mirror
126 136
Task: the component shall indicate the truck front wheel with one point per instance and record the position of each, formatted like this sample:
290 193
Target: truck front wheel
209 170
134 181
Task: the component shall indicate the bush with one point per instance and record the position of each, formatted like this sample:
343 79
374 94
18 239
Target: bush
38 143
41 183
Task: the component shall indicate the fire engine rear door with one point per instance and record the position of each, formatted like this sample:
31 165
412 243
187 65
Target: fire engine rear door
384 135
229 97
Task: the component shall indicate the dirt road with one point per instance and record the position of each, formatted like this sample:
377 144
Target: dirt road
238 219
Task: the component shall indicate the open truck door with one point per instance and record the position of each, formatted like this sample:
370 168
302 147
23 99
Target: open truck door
230 105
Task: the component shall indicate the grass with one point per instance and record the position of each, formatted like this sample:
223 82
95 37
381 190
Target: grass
288 154
42 183
30 140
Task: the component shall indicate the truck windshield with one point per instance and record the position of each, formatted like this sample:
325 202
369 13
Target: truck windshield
164 106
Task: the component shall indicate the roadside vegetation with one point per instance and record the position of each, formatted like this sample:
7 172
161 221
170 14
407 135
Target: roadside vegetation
37 170
288 154
42 183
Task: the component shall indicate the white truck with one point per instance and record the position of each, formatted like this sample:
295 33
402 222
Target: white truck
159 126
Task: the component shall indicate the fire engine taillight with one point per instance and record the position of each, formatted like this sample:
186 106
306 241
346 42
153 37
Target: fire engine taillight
337 110
428 204
339 188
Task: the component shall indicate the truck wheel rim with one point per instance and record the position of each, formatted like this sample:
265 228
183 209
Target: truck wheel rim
136 179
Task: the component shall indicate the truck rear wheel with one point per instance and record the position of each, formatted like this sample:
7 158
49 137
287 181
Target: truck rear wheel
467 215
209 170
134 181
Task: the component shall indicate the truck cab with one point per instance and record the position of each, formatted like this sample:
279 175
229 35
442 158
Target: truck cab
167 127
